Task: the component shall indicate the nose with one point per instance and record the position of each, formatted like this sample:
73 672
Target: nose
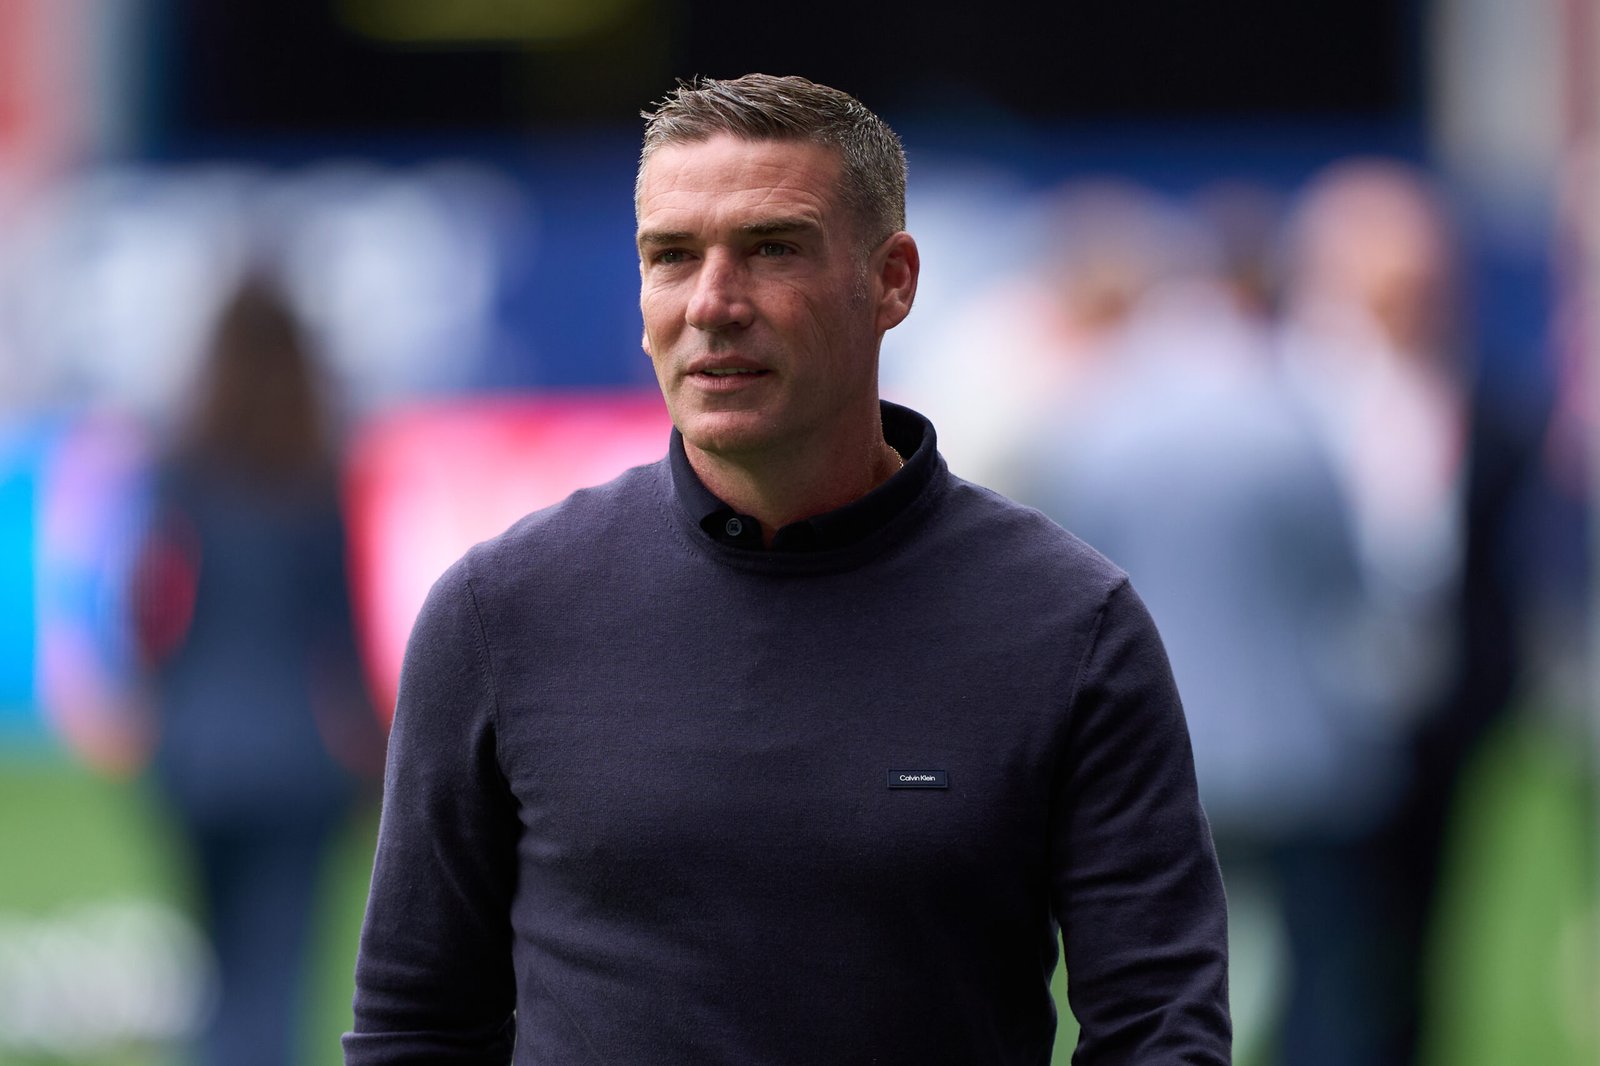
721 299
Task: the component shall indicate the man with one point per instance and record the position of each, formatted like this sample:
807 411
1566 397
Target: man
792 747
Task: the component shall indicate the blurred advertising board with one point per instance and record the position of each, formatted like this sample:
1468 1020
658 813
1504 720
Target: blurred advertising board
72 498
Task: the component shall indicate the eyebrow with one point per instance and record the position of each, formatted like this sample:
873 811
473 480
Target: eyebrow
655 237
773 227
767 227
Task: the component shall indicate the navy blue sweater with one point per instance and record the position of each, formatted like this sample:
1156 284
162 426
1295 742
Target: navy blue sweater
656 798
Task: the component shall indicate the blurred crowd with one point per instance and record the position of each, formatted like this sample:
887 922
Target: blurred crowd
1271 412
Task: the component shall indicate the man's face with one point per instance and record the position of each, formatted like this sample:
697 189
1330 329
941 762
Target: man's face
761 314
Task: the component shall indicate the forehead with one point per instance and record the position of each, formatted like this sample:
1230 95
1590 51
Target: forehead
729 177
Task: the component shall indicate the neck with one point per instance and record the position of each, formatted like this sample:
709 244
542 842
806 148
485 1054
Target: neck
779 489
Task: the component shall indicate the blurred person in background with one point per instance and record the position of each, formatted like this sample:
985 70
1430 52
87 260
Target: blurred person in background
243 615
1437 469
1189 462
1045 330
1371 341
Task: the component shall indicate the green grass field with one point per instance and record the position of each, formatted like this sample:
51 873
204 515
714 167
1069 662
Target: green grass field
92 894
77 844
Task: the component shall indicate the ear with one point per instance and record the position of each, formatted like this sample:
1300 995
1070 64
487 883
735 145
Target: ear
895 266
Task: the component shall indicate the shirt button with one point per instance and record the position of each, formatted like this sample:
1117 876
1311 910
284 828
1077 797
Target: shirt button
734 527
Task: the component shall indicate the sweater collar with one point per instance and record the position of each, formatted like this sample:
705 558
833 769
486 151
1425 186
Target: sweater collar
907 432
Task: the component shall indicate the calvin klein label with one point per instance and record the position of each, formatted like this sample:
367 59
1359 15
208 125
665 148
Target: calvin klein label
919 779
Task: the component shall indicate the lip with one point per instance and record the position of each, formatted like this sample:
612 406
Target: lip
699 367
698 376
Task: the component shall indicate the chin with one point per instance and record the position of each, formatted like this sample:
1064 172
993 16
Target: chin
725 434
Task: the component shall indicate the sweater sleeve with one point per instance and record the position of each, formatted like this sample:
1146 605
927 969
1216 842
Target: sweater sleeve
1137 890
434 975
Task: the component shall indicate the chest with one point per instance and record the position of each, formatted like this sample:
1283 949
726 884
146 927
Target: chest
792 759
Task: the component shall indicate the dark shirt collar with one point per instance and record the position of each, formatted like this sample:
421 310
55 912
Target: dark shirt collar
907 432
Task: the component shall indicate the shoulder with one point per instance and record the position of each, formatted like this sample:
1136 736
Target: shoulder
1002 532
557 551
1008 562
545 566
590 521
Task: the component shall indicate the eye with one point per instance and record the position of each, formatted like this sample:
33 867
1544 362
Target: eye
669 256
773 250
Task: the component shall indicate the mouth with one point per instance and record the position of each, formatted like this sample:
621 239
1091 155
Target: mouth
725 368
725 380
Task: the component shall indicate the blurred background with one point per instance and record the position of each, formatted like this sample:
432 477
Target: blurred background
1290 309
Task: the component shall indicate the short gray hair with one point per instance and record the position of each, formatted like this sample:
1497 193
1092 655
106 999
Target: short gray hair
765 107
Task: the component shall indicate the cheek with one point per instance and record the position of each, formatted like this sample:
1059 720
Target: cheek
660 296
657 318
